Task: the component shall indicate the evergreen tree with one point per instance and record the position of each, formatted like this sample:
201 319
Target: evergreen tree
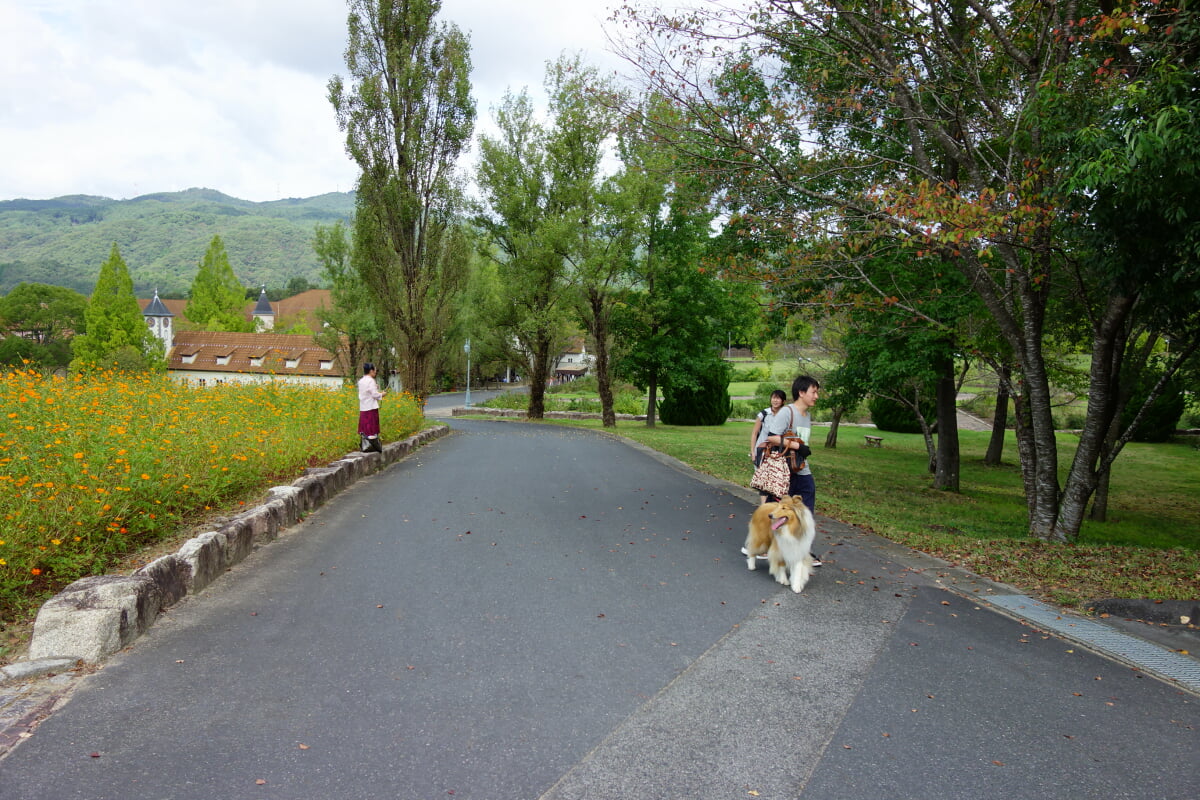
114 323
217 299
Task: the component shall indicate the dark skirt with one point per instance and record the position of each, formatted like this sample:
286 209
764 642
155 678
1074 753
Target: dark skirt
368 422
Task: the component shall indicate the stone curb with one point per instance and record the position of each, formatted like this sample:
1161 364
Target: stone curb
96 616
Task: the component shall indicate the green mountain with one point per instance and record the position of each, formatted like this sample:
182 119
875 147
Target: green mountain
162 238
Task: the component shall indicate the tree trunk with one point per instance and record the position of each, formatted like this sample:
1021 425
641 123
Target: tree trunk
599 326
539 369
651 398
1109 339
946 472
835 420
995 450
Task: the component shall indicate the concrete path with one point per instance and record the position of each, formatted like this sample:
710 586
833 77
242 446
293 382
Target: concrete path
524 611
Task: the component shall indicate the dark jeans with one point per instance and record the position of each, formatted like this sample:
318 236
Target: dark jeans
806 487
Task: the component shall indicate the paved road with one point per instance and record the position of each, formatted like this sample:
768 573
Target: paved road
522 611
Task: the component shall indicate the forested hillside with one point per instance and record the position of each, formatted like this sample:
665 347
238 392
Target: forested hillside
162 238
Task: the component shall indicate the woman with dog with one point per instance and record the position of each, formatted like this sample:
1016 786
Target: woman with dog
797 417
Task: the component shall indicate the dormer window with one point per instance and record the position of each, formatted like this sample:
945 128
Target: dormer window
256 362
292 363
189 358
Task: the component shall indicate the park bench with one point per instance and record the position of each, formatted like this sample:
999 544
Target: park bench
874 441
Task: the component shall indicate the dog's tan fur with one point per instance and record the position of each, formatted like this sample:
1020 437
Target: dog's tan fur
784 531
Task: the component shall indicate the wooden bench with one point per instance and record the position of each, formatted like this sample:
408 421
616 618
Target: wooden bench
874 441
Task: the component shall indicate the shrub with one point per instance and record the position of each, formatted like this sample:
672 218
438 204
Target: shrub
745 409
1161 419
1069 419
750 374
706 403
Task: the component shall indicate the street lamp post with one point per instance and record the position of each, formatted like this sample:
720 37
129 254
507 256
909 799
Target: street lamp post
467 350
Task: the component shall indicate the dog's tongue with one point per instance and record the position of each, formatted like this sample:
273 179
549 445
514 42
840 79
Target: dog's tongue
777 523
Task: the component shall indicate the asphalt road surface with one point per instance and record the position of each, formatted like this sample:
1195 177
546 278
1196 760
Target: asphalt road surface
521 611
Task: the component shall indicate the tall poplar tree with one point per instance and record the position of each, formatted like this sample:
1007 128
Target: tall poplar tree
514 217
408 117
116 330
217 301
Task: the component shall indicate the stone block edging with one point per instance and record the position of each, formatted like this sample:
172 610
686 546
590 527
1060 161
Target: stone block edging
96 616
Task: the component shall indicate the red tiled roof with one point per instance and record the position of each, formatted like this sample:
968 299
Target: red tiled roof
304 305
275 350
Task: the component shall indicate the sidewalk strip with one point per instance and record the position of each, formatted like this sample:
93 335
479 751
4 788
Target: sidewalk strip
1130 649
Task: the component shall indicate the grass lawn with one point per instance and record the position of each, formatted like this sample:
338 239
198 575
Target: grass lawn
1150 547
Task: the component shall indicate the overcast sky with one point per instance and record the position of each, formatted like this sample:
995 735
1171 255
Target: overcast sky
120 98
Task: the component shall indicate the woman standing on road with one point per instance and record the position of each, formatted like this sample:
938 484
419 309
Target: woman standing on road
369 396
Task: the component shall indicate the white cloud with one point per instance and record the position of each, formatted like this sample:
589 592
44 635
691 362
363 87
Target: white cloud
126 97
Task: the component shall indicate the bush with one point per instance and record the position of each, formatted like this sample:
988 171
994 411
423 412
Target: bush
706 403
745 409
1069 419
1162 418
750 374
895 417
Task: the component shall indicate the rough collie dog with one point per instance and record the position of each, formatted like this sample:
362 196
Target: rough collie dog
785 532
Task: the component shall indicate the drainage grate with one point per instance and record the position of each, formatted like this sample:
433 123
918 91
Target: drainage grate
1150 657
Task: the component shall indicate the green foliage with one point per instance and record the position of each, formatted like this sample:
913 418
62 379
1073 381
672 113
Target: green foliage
354 317
1160 420
704 401
42 312
761 372
60 241
217 297
17 351
894 416
408 115
113 318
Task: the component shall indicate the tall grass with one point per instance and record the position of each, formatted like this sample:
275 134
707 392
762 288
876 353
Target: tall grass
93 468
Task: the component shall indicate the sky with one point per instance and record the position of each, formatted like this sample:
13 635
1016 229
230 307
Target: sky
120 98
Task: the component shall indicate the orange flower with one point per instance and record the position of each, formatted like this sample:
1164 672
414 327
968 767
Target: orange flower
35 571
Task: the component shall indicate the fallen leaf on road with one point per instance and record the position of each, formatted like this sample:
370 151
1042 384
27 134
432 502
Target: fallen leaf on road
303 747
